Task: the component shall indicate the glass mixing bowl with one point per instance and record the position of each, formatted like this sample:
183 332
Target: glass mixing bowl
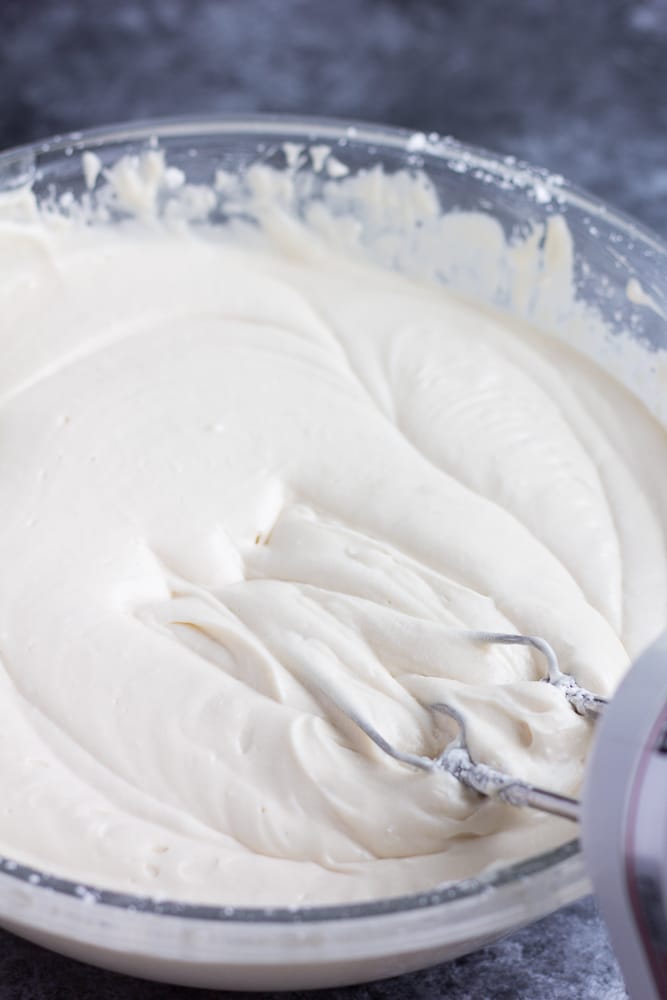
620 272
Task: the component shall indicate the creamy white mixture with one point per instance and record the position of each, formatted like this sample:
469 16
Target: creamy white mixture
234 471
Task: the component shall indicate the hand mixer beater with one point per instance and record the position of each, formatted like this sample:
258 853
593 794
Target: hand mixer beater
623 808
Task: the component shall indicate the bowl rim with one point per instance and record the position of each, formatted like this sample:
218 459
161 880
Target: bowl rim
312 129
446 893
340 132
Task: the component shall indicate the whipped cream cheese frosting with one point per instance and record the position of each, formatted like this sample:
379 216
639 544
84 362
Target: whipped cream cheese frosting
235 470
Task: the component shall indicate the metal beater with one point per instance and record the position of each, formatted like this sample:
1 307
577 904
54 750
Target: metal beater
623 808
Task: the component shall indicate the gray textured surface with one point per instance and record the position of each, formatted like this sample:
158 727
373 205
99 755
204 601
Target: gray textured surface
580 87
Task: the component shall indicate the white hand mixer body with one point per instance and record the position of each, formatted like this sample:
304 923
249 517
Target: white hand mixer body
624 823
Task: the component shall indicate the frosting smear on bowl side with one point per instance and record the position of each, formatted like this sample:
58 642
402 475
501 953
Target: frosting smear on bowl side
235 465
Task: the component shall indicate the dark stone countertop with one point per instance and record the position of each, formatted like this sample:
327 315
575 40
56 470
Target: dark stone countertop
580 88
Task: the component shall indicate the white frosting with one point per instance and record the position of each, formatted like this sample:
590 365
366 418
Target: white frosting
239 468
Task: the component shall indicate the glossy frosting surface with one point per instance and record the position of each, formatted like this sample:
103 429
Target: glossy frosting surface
235 472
